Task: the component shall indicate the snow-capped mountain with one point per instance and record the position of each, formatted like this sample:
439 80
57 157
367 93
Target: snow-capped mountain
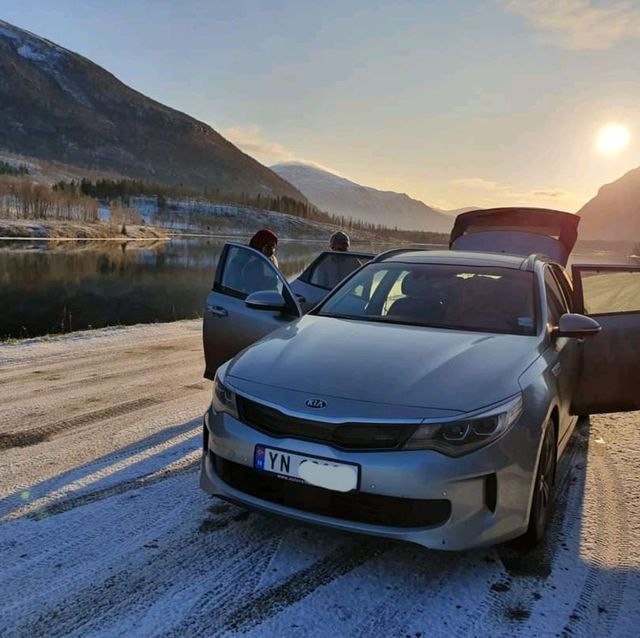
57 105
341 196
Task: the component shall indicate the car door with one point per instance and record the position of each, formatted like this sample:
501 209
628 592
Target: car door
229 325
609 378
323 274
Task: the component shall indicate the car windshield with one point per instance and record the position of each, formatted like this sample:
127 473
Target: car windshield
478 298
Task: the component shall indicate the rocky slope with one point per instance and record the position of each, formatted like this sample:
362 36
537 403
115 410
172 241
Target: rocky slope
57 105
614 213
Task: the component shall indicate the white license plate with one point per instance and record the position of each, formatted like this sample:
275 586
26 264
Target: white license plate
331 475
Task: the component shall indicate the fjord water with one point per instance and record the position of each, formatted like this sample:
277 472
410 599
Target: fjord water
48 287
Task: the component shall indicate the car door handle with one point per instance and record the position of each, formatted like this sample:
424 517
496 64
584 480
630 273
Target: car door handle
218 311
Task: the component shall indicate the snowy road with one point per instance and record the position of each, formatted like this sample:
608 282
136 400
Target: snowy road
103 530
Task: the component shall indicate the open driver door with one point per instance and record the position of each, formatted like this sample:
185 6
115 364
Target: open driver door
609 379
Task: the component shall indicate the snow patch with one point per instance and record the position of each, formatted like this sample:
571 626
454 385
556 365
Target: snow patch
31 54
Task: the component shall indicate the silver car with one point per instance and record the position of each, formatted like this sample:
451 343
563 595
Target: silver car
430 394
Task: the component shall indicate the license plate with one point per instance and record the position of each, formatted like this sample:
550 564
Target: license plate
326 473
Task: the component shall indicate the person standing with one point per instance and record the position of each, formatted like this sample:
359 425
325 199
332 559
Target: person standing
339 242
266 241
255 274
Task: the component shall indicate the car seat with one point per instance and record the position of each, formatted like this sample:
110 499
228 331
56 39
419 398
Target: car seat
421 301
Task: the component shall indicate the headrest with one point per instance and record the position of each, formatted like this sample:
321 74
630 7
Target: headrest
416 285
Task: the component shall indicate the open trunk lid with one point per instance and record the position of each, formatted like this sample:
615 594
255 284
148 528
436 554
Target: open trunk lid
517 231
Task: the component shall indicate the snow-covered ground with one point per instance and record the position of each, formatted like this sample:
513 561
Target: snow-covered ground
103 530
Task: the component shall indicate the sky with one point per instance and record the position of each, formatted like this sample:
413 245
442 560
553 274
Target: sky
457 103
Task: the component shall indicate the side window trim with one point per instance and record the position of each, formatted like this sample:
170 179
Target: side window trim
551 294
564 285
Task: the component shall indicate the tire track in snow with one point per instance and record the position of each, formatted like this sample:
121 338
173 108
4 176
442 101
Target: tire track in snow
24 438
272 601
184 557
513 597
603 587
36 435
87 380
80 548
10 504
183 466
420 578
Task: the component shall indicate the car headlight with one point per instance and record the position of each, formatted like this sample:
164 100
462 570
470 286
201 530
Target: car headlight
456 438
224 399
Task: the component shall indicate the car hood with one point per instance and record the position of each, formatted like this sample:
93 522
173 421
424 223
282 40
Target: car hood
390 364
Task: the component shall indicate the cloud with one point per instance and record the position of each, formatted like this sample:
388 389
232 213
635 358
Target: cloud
579 24
478 183
490 193
553 193
250 139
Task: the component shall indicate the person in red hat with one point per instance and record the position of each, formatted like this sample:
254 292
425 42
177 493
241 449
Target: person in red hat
266 241
256 274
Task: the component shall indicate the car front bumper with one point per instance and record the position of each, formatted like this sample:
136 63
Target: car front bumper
487 492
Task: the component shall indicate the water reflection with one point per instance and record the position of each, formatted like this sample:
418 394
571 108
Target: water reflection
49 288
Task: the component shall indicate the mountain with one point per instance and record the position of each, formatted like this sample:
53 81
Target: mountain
57 105
343 197
614 213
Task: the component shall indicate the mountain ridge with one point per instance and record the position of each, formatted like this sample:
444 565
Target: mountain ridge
59 105
342 196
614 213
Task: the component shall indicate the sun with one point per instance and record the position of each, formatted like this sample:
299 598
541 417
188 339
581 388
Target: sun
612 138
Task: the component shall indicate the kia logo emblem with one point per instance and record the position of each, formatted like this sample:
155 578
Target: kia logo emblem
316 404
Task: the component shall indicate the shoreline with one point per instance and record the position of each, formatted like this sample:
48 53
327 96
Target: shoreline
10 344
50 230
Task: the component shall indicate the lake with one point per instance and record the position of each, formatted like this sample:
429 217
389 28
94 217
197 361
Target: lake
50 287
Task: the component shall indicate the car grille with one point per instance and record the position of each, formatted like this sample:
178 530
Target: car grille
353 506
346 436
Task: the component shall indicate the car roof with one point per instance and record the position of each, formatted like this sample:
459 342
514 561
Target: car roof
464 258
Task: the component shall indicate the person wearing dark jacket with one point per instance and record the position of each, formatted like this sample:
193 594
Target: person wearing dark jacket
266 241
256 274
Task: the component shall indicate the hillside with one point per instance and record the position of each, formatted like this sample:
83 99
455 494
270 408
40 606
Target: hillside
614 213
341 196
57 105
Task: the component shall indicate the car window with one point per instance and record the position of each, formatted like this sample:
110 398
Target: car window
555 299
610 292
333 268
444 296
245 272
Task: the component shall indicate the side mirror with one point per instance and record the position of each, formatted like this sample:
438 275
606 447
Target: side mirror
574 325
266 300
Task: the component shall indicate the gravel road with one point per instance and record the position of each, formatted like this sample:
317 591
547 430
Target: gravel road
104 532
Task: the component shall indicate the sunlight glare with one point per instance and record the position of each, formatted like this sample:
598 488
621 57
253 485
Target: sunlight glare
612 138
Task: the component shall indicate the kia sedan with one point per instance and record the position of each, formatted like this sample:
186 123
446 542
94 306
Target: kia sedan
429 396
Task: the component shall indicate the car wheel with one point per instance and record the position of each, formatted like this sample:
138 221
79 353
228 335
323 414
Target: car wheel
542 493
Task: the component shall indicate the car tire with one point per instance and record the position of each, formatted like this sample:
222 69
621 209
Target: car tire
542 492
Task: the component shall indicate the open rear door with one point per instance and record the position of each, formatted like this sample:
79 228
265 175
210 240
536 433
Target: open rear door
323 274
609 379
229 325
517 231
